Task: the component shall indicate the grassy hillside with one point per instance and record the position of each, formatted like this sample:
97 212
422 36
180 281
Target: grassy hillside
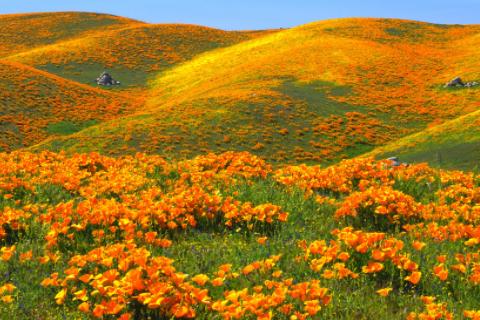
24 32
131 54
453 145
59 97
35 105
447 144
316 93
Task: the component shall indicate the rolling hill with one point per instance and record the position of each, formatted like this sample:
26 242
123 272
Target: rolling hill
132 53
451 145
35 105
24 32
316 93
47 77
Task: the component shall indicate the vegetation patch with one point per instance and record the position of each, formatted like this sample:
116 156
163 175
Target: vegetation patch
66 128
221 231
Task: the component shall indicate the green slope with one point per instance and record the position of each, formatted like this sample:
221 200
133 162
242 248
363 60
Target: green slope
454 145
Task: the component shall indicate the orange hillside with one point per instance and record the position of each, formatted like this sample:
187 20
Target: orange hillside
22 32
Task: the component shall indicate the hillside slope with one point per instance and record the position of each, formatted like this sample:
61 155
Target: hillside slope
23 32
452 145
316 93
132 54
35 105
53 74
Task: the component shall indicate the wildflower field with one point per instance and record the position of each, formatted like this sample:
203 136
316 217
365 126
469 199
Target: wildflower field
230 237
317 93
239 174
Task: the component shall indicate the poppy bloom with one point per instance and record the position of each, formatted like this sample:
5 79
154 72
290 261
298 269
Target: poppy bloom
372 267
414 277
217 282
427 300
200 279
384 291
261 240
440 272
60 297
418 245
247 269
85 307
225 267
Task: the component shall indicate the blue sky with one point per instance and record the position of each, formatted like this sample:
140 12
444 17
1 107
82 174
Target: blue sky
260 14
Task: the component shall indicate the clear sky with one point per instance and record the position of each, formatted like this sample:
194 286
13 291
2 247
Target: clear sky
259 14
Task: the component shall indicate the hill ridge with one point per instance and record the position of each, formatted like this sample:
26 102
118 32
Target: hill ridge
319 92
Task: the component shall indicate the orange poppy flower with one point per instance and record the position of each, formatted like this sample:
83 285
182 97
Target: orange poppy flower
248 269
418 245
217 282
261 240
225 267
427 300
384 292
414 277
200 279
85 307
440 272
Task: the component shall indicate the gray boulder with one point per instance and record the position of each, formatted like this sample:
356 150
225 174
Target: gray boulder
396 163
455 82
106 79
471 84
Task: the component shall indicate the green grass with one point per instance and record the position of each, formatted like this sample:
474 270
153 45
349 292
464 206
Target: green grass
461 156
66 128
452 145
86 73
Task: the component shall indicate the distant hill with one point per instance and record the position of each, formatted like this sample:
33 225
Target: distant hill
47 76
316 93
24 32
313 94
132 54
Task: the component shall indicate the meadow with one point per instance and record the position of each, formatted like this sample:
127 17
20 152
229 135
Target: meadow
229 237
240 174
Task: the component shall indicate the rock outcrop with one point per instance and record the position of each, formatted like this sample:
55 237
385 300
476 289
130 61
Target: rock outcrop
457 82
395 162
106 79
